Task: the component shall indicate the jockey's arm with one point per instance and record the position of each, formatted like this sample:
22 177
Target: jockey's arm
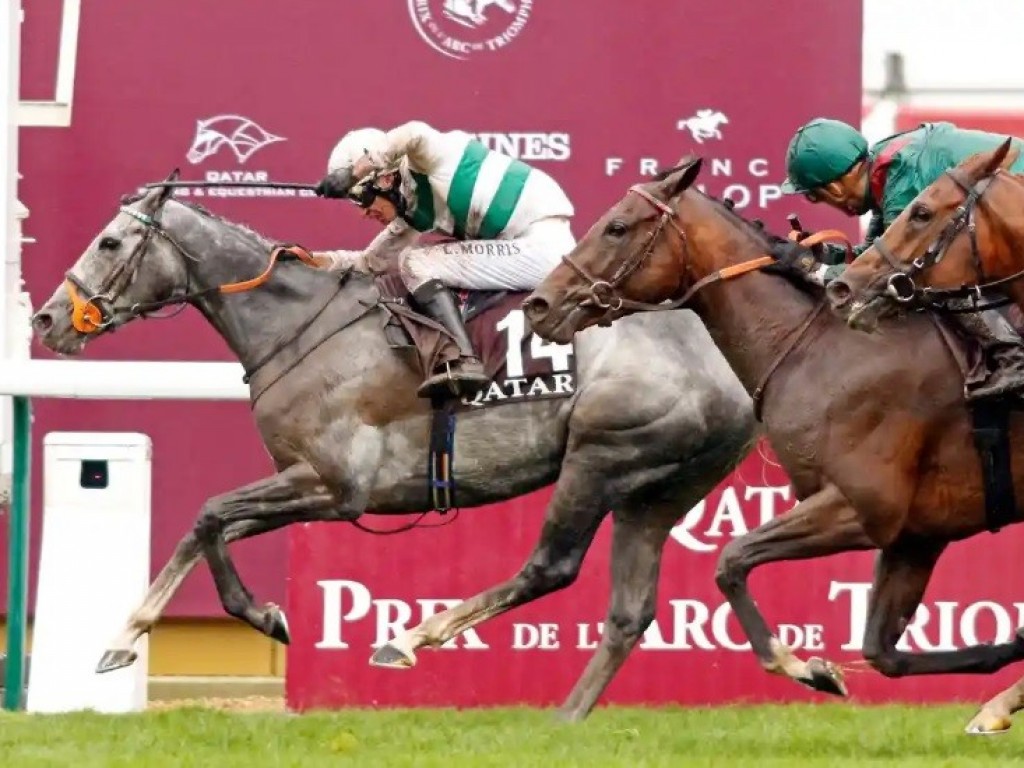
415 140
385 247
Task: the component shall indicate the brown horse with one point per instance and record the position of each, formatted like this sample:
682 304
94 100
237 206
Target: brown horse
872 431
957 239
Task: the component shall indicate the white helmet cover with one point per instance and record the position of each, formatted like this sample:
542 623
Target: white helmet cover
355 144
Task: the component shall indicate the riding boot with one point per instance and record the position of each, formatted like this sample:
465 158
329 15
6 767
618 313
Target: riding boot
465 376
1003 350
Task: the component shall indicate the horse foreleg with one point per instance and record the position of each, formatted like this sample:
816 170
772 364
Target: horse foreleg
638 541
821 525
295 495
186 555
901 576
121 652
569 527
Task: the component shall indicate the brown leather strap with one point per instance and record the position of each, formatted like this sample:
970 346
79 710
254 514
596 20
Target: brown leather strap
799 334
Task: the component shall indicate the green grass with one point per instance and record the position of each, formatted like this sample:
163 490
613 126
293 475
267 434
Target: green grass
825 735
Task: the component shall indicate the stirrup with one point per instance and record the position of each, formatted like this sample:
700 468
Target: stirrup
452 382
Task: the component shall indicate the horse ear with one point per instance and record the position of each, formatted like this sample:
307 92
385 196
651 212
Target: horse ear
166 191
680 180
999 157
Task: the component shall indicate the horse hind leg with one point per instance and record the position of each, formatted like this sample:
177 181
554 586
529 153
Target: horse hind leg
995 715
572 520
901 575
638 541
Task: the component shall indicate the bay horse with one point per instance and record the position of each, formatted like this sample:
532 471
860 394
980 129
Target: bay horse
336 408
959 239
872 430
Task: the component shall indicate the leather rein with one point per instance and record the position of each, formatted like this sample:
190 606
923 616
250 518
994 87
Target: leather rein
605 294
93 311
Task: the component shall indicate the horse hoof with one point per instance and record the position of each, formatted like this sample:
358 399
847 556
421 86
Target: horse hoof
391 657
987 724
825 677
116 659
278 625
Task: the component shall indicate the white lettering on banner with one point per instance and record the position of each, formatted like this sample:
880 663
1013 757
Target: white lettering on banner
941 626
744 195
729 512
390 616
221 138
459 28
543 637
688 624
528 146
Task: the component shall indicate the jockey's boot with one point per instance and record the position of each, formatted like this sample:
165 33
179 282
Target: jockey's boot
465 376
1003 350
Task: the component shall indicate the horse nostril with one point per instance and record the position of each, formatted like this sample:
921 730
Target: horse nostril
42 322
536 308
839 293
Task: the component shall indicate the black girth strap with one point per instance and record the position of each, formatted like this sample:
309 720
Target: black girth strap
991 421
440 476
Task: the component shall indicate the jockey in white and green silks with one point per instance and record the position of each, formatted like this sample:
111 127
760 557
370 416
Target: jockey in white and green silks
511 221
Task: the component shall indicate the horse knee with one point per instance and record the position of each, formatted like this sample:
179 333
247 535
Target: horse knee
731 571
208 526
626 627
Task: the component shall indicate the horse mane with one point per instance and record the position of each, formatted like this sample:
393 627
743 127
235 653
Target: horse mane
205 212
756 230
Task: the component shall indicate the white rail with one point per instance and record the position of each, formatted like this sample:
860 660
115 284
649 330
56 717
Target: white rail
123 380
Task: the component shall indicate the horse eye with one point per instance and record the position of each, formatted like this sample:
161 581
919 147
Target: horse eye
920 214
109 244
615 229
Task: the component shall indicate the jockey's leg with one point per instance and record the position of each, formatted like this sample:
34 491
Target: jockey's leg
465 377
1002 347
512 265
519 264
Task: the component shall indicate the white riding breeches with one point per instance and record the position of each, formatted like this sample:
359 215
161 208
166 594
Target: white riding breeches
515 264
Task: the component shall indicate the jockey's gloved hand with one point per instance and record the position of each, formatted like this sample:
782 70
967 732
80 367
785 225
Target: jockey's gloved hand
791 257
336 184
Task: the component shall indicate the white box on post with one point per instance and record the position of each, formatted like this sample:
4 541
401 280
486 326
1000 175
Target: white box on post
93 570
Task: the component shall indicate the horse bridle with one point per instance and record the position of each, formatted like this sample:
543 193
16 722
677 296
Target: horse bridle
604 294
900 285
93 311
98 311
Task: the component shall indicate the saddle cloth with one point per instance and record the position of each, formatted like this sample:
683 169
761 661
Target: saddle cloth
522 366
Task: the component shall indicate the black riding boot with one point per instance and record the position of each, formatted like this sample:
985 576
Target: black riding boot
464 377
1004 354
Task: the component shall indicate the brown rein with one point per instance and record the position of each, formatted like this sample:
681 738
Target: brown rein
604 293
88 317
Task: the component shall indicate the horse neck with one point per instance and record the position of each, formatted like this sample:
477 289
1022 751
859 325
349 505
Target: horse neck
752 317
254 322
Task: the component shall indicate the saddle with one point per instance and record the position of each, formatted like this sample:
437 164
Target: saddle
519 364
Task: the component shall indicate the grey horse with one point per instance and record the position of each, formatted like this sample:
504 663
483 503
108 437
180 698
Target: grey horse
348 435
